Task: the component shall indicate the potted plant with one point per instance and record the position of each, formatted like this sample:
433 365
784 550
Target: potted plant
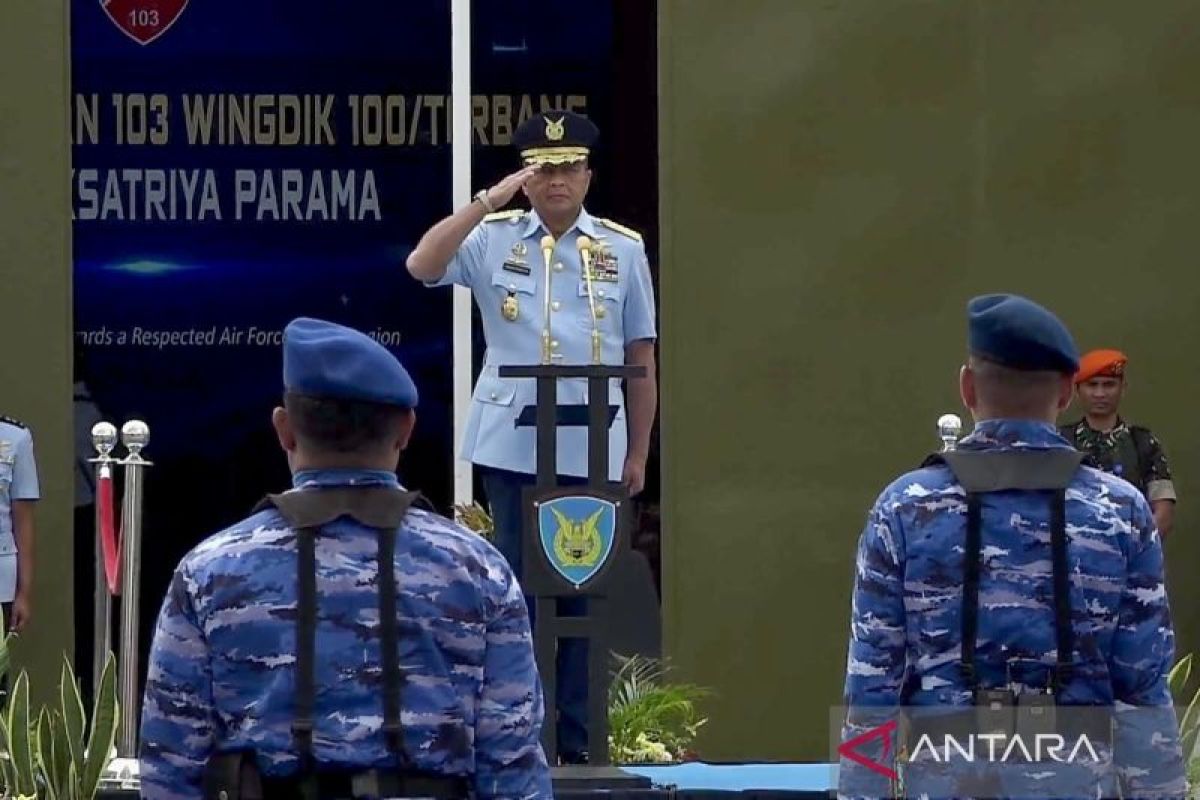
650 719
57 754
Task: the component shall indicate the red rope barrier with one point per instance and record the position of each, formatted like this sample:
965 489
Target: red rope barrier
109 543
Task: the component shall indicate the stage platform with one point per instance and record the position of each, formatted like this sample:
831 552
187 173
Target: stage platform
700 779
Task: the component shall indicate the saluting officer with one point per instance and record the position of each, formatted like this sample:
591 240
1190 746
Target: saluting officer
499 255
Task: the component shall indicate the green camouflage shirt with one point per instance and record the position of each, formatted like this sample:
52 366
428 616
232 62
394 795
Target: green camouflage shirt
1127 451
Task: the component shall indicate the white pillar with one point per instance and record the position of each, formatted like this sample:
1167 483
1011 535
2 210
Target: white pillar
460 104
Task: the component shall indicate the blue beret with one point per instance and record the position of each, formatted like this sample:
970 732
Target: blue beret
1018 333
323 359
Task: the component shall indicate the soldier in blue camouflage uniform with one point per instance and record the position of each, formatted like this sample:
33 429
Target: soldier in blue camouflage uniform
223 666
907 629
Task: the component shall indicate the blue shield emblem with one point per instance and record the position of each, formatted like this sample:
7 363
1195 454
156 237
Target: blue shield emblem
577 533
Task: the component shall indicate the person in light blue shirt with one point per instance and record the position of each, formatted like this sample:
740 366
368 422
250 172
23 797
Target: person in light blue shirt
606 311
19 493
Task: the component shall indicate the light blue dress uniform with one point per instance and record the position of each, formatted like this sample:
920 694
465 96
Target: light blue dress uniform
18 481
501 261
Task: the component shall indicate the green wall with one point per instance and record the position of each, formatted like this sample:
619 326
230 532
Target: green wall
837 179
35 303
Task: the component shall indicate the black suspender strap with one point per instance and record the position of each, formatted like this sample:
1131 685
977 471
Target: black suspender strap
1063 632
1048 472
306 511
393 730
970 607
306 646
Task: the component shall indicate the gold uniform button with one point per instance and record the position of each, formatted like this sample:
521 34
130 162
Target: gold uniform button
554 344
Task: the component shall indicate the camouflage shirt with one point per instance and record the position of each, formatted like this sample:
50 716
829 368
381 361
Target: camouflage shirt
906 626
1127 451
222 664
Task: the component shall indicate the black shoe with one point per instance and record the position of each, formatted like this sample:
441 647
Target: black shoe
572 757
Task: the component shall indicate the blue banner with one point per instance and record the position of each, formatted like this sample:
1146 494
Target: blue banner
236 165
239 164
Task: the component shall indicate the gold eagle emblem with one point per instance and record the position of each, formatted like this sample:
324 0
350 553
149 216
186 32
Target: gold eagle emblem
577 544
555 130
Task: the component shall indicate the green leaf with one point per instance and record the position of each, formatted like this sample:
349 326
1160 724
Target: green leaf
8 770
104 730
42 753
1189 726
18 732
76 792
62 751
72 712
1179 675
1193 772
5 640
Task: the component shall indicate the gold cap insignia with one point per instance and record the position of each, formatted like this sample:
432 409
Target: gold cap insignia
555 130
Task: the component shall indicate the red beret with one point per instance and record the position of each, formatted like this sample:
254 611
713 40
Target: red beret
1101 363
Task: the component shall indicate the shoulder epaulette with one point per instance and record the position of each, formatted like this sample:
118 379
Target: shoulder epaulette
619 228
513 213
13 422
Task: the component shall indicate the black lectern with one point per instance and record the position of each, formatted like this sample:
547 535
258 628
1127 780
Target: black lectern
572 538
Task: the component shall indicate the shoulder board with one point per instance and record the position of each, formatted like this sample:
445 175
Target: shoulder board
619 228
16 423
500 215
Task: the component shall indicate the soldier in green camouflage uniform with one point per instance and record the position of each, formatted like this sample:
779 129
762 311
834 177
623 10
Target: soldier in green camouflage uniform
1127 451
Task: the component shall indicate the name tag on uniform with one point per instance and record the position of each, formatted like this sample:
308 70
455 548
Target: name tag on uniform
517 267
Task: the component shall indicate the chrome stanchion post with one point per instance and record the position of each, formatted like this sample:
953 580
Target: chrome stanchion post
949 428
104 439
135 435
